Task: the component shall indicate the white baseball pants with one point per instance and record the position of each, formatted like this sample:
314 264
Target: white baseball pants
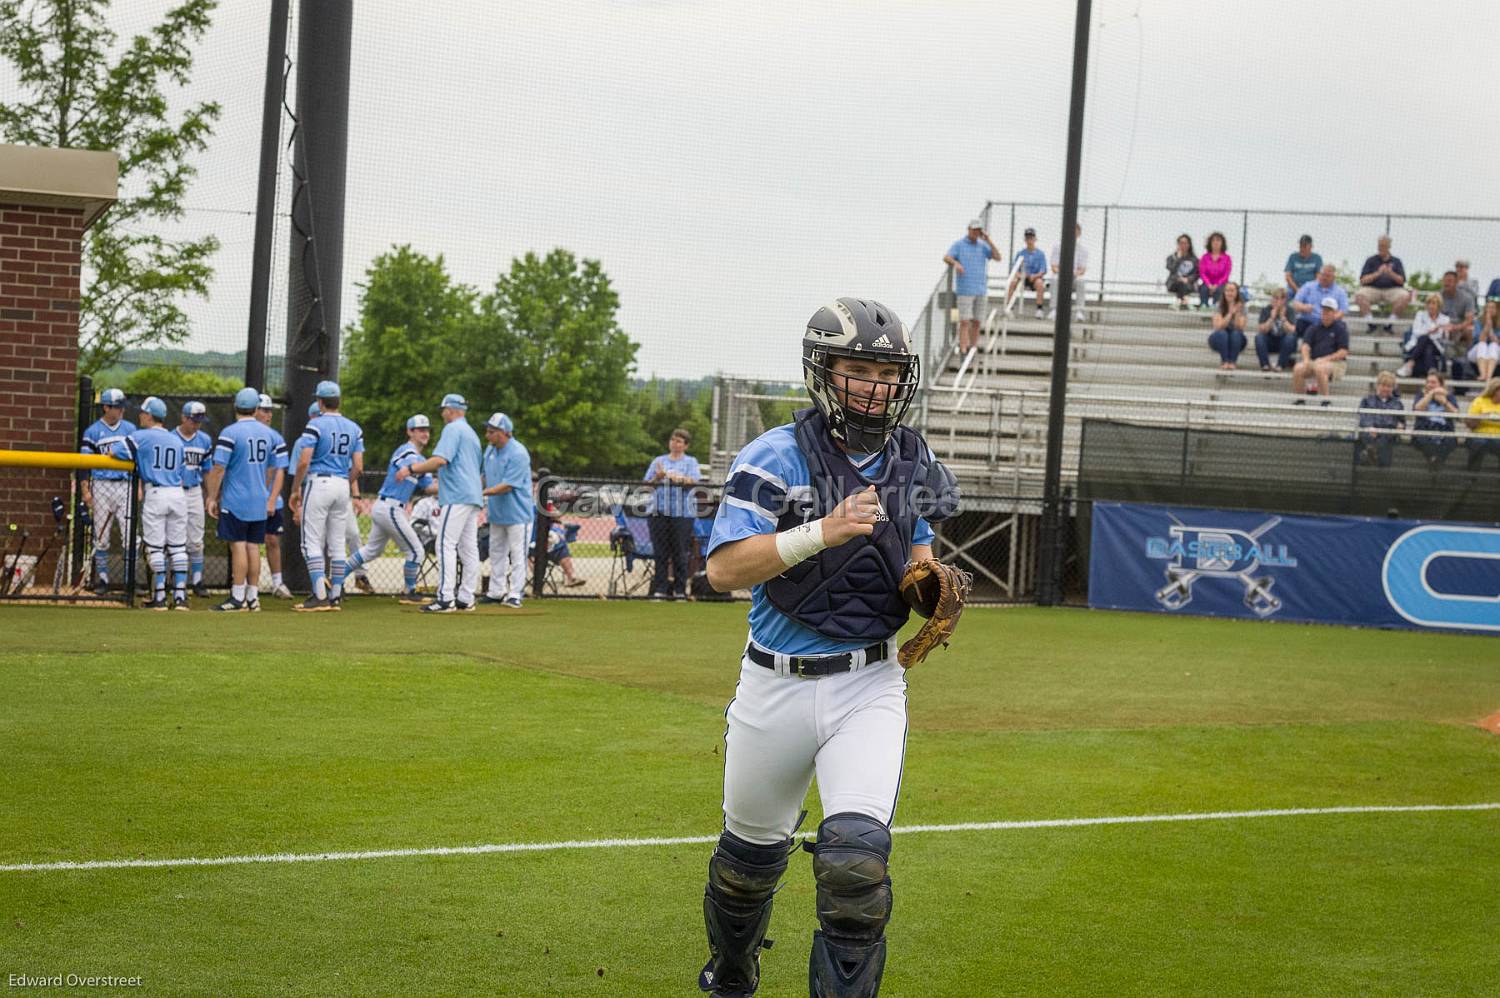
389 523
507 560
325 511
458 553
192 499
848 730
164 528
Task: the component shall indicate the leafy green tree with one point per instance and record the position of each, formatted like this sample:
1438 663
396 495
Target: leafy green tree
169 379
78 89
402 355
547 348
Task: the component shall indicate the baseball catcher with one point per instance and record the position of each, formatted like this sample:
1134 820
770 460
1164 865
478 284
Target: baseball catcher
822 519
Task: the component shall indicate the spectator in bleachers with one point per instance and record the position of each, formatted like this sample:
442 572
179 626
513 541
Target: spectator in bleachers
1484 422
1493 294
1080 266
1229 319
969 257
1380 410
1459 307
1182 271
1302 266
1215 267
1325 350
1426 343
1461 268
1436 408
1276 331
1485 352
1382 281
1308 302
1032 273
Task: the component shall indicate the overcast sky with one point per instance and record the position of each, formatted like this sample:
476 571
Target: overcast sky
733 165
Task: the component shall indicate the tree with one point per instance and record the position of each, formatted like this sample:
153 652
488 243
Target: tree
661 407
78 92
169 379
402 354
547 348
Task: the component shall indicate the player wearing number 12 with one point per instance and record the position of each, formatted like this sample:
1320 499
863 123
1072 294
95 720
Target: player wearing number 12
327 476
159 460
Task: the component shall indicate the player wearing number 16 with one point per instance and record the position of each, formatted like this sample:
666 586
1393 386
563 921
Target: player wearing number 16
327 476
246 451
159 459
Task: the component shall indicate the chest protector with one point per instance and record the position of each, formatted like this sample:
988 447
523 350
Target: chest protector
851 592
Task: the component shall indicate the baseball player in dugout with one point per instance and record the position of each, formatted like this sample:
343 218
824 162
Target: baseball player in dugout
827 521
327 477
159 459
106 492
197 451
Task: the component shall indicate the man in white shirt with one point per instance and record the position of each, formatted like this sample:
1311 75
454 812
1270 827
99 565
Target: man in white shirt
1080 267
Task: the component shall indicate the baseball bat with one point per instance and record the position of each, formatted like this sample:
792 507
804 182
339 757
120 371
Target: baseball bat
14 561
5 556
88 560
60 514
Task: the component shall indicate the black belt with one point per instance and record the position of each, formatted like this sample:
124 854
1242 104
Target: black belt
818 665
327 474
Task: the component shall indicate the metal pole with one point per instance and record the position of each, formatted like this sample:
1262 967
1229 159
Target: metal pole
265 196
539 545
1103 255
1244 252
319 155
1047 589
85 417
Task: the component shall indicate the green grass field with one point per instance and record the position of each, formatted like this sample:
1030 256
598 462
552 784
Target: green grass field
157 736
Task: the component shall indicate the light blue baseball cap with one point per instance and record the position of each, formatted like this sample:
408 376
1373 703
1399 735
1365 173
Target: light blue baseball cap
195 410
418 422
453 400
500 421
111 396
313 410
327 390
155 406
246 400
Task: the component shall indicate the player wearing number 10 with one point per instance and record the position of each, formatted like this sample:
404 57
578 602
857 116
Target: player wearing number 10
246 452
160 460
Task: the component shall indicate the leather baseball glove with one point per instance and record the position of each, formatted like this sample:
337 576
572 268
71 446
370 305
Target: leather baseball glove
935 591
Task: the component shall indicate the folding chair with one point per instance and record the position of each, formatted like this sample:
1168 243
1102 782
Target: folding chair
629 544
560 535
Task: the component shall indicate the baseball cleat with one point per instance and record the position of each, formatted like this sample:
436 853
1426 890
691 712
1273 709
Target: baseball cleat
313 605
512 603
438 608
363 585
489 600
231 605
252 606
157 604
200 590
413 599
101 588
463 607
336 603
282 592
180 604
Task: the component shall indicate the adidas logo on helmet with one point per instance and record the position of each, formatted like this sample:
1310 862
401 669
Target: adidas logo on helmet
884 341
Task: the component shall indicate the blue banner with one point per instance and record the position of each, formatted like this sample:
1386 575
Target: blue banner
1322 569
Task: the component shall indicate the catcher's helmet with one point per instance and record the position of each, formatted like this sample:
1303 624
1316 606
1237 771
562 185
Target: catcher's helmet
861 412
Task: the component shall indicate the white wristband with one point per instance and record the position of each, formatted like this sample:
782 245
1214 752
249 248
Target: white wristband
800 542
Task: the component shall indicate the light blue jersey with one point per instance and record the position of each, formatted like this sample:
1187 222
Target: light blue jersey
156 453
773 469
459 479
509 465
974 257
671 499
334 441
1312 293
101 438
407 454
197 457
247 449
1033 261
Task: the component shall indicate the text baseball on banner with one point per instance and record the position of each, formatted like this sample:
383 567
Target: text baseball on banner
1323 569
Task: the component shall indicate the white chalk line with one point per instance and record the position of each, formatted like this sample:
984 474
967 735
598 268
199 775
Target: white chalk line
514 847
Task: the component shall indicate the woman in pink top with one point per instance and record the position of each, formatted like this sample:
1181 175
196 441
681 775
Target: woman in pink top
1214 266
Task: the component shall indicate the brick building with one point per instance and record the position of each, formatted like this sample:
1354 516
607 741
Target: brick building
48 199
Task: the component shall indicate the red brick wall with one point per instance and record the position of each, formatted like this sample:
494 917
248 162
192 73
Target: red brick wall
39 282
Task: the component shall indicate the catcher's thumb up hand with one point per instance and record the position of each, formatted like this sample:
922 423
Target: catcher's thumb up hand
854 517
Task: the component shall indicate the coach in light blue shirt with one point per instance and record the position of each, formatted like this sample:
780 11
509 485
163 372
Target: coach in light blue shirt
456 459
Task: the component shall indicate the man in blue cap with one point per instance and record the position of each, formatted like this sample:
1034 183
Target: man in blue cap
106 493
507 480
388 520
456 459
250 466
157 454
327 477
197 448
